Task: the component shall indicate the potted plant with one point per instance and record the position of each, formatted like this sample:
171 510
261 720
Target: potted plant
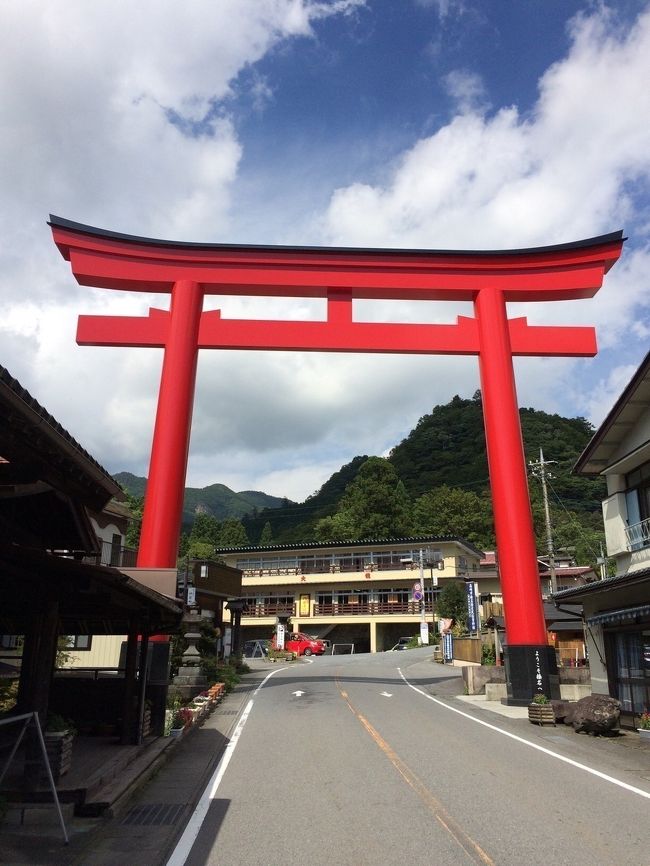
181 719
644 725
540 711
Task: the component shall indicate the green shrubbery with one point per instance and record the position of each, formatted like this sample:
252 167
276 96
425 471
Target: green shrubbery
219 671
488 656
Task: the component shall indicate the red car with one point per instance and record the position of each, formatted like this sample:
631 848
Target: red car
303 645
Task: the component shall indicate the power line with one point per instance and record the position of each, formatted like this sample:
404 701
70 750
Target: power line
578 525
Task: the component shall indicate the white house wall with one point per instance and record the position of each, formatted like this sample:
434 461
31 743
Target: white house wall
104 652
614 518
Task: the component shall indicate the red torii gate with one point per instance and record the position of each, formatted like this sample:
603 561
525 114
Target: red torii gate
188 271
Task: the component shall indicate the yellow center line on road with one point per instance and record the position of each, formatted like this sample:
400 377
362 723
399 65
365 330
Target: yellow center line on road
475 852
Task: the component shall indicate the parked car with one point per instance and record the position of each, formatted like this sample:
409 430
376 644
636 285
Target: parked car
255 649
402 644
303 645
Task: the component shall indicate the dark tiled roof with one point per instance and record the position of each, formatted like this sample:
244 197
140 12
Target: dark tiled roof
602 448
417 540
28 432
629 577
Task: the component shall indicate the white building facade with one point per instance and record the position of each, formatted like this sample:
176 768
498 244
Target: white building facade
617 609
354 593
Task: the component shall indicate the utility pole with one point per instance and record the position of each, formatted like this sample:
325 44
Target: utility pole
602 560
539 469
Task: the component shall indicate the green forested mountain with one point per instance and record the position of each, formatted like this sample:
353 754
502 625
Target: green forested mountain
442 466
448 447
217 500
297 521
436 480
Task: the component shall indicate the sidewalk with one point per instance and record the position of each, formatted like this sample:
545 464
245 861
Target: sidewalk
148 802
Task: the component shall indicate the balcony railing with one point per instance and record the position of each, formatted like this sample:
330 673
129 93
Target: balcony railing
334 609
638 535
113 555
280 609
369 608
334 568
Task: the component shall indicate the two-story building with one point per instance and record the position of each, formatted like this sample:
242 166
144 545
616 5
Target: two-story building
359 594
617 609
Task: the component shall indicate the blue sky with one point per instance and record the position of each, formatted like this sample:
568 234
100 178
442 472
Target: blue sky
415 123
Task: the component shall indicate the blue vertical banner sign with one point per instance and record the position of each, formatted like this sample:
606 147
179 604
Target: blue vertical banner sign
472 610
447 648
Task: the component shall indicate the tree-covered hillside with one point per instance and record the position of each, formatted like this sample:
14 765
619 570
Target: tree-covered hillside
297 521
434 482
442 467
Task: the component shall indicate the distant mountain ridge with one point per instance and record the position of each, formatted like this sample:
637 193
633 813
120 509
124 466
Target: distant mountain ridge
215 499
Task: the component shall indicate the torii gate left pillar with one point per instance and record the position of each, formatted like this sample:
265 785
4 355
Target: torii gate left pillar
488 279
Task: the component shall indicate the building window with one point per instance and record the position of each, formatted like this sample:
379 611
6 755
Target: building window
394 596
78 641
637 502
630 669
637 495
11 641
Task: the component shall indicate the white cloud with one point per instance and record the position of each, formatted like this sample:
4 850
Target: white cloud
444 8
578 166
506 181
97 102
467 90
600 400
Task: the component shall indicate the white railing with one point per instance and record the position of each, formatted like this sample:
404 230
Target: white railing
638 535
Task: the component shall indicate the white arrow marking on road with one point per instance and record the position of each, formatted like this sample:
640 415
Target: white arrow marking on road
298 694
386 695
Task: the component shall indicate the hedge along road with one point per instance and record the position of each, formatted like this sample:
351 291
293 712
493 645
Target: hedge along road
354 760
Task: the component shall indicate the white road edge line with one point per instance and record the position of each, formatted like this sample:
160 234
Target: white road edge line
526 742
184 845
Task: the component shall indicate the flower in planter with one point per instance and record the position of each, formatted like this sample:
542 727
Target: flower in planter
540 699
182 718
644 721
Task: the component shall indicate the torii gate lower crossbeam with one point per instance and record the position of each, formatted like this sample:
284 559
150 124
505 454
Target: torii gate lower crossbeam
488 279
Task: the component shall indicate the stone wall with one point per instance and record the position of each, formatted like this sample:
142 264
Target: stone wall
573 681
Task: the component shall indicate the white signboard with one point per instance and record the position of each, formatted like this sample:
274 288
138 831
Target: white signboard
279 636
424 633
227 641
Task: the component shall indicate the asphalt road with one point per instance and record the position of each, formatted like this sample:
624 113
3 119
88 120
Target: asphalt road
363 761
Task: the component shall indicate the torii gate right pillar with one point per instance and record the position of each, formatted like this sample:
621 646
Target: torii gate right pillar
528 657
